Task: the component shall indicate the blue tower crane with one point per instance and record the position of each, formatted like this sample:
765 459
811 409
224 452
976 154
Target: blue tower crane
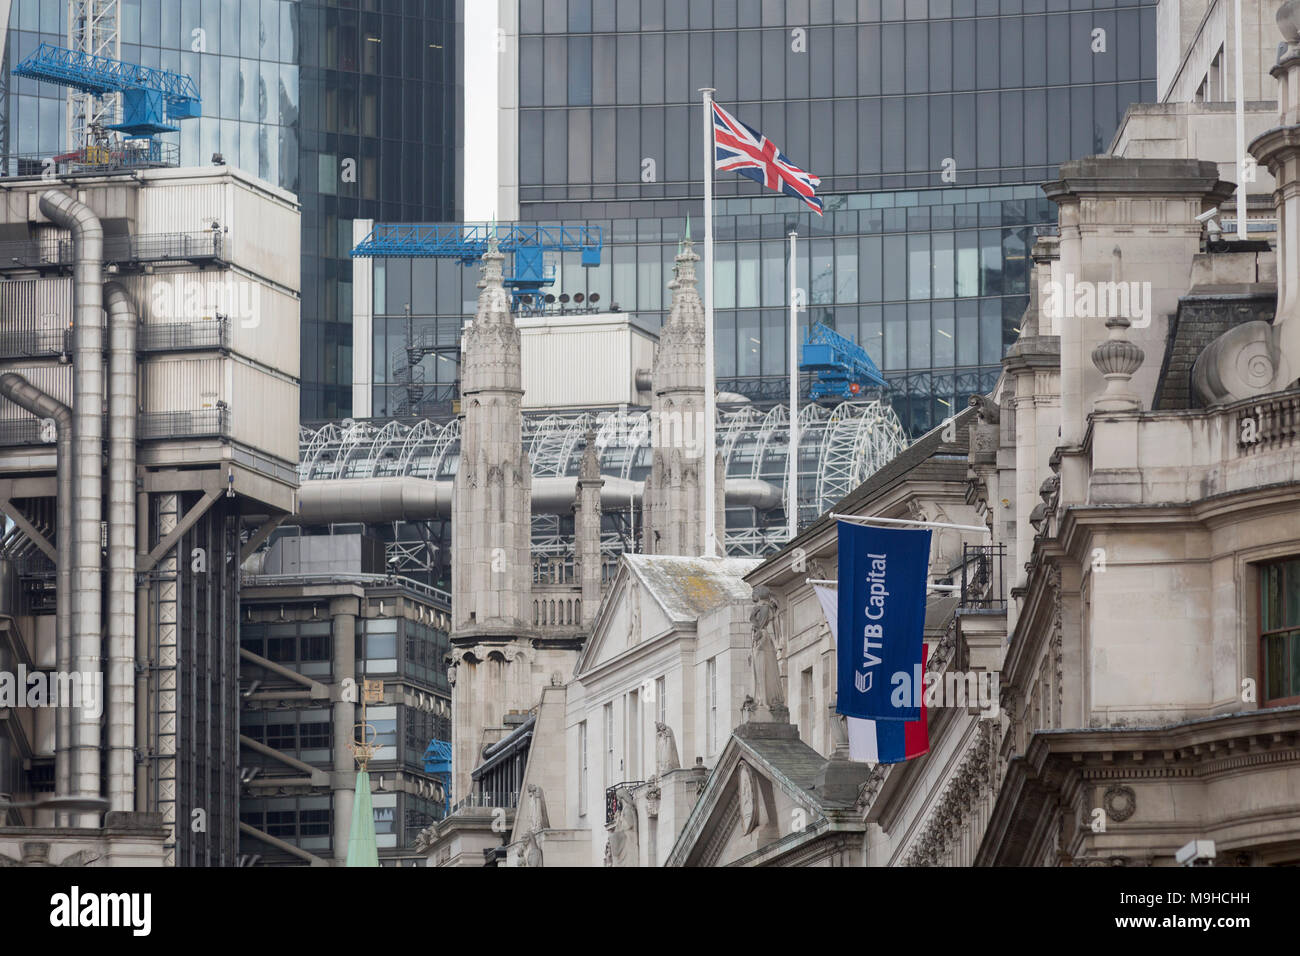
842 366
152 100
437 761
529 244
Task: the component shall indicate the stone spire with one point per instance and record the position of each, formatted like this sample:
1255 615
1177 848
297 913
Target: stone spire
491 530
492 572
586 527
673 509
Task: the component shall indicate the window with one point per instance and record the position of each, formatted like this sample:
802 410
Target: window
315 735
809 700
633 716
1279 607
711 704
281 823
582 769
609 745
661 703
282 736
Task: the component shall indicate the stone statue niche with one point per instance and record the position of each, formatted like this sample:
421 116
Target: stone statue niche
766 701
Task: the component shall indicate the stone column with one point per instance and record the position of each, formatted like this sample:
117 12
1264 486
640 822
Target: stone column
586 525
1128 235
1279 150
343 617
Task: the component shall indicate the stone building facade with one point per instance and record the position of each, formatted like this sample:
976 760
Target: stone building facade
1136 469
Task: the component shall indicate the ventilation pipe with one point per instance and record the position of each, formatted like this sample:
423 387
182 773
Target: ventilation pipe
87 470
123 321
30 398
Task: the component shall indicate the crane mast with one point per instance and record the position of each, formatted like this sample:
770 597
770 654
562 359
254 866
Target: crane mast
92 30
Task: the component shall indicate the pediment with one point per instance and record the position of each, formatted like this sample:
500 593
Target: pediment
752 801
628 616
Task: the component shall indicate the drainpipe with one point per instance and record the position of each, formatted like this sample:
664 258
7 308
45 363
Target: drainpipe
30 398
143 801
122 323
87 468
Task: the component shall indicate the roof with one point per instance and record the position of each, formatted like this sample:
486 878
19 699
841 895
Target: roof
688 587
1200 320
939 609
790 758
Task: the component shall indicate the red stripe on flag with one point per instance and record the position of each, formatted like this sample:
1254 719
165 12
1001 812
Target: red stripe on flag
916 733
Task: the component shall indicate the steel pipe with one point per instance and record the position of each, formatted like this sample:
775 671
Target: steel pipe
377 500
30 398
123 323
88 450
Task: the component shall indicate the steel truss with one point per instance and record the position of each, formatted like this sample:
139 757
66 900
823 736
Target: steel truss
839 447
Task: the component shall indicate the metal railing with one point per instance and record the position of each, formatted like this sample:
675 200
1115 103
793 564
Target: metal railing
487 801
25 431
172 337
205 244
983 584
32 343
182 336
200 423
437 595
91 160
611 798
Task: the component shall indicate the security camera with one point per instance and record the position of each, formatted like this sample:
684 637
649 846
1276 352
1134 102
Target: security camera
1206 216
1196 853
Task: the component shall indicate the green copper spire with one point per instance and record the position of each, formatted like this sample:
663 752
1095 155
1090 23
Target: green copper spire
363 849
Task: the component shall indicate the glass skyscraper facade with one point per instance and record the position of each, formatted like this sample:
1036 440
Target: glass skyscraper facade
930 122
353 105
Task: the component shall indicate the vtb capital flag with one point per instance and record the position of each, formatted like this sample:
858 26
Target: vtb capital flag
882 584
877 741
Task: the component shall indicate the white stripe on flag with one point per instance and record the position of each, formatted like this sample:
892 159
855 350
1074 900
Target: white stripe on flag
862 733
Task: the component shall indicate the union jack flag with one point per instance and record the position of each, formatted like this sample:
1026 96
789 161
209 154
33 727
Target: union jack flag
743 149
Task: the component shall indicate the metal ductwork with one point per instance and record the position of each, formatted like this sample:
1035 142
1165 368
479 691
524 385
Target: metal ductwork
377 500
30 398
374 501
123 321
87 465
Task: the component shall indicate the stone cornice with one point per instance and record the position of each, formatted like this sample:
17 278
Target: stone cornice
1032 352
1059 762
1141 178
1268 146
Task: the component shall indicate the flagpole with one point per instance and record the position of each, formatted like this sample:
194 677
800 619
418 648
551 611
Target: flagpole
1241 128
792 498
710 387
908 522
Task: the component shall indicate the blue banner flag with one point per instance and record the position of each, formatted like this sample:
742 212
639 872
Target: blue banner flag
882 584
